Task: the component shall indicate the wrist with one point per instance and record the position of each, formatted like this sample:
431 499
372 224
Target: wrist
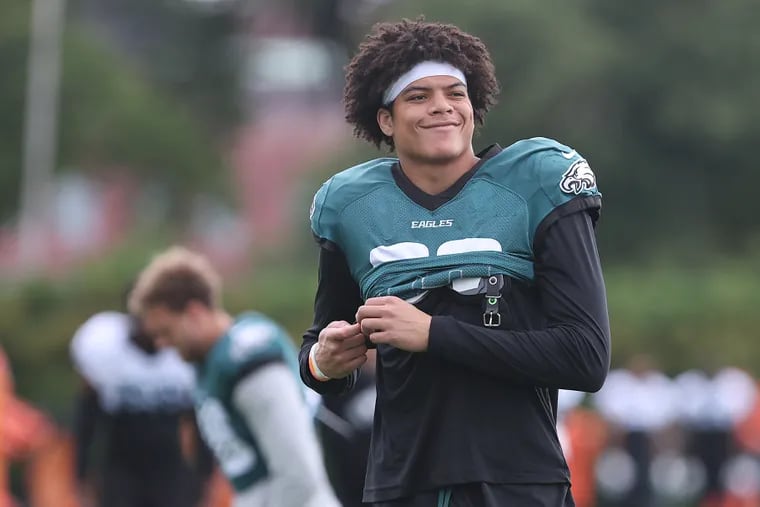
313 367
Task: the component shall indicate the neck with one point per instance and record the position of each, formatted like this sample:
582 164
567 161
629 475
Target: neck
433 177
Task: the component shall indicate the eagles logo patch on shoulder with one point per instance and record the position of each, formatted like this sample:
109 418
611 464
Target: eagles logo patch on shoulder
577 178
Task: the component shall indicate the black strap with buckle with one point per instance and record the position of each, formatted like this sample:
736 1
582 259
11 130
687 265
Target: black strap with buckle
491 315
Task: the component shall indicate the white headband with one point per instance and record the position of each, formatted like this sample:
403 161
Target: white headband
423 69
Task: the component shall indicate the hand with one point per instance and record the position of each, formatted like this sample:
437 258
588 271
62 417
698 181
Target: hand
341 349
392 320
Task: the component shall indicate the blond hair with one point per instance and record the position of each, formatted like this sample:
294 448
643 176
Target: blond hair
174 278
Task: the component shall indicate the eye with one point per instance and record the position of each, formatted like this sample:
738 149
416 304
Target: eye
416 98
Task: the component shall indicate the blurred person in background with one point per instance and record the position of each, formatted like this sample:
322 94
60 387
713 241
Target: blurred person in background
28 436
640 403
482 291
346 431
251 408
583 435
712 406
747 434
136 402
5 394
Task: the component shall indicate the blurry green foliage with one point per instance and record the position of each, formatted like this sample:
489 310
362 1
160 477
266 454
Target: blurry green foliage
185 47
686 317
659 96
125 123
112 116
13 49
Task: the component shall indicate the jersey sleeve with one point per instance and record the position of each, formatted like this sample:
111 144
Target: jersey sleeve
566 185
271 402
324 215
338 297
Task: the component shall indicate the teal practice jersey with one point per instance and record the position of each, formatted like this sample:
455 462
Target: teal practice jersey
394 246
252 341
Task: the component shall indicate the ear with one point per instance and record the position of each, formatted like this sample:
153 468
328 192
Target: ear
385 121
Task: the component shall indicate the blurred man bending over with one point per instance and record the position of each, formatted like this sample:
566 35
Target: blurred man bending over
250 406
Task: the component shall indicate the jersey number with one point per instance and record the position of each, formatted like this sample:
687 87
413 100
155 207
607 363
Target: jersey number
410 250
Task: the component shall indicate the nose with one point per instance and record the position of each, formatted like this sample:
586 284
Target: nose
440 103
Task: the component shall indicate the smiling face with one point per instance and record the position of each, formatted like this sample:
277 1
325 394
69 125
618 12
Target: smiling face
431 121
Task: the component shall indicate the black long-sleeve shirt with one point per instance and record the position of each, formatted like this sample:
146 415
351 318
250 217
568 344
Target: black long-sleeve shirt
480 404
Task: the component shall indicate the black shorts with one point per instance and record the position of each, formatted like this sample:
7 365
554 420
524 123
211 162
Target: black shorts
161 487
490 495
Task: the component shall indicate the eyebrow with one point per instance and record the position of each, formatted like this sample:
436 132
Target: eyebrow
428 88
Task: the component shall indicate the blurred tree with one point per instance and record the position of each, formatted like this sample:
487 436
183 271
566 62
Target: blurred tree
125 123
14 23
658 95
111 117
187 47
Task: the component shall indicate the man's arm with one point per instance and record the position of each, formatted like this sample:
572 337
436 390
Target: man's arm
336 300
573 351
271 401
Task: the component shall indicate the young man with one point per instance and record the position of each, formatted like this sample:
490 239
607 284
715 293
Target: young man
476 276
139 400
250 405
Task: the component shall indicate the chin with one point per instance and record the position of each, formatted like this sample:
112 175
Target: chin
446 148
444 154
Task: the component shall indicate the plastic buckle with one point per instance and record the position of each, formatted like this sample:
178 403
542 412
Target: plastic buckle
492 319
491 315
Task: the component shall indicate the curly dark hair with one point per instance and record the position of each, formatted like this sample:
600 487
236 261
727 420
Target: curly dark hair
391 49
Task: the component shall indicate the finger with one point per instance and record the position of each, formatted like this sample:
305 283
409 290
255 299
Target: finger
353 342
337 323
340 333
366 311
350 330
347 361
353 353
355 363
380 300
380 337
372 325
